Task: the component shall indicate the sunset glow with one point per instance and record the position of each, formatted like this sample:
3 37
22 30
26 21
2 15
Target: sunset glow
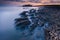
43 2
31 2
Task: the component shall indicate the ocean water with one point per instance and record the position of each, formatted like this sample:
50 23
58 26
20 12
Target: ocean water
7 25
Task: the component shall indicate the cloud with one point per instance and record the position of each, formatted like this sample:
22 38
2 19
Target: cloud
10 0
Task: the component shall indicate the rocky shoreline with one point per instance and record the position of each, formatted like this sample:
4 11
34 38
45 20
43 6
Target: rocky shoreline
37 18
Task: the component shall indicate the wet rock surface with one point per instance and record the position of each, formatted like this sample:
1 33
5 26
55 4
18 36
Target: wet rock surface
46 19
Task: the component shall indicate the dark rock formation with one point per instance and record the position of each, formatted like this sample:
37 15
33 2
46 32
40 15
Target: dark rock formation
37 18
28 5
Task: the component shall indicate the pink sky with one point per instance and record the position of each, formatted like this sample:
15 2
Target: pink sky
42 2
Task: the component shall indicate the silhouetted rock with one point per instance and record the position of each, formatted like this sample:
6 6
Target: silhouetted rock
28 5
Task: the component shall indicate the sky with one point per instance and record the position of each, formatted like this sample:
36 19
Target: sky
32 2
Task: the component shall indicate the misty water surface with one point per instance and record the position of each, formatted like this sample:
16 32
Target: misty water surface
7 25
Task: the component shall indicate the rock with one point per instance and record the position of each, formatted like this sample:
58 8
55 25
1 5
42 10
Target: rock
50 14
28 5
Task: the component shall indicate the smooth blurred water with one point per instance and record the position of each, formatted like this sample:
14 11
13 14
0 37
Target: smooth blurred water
7 26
